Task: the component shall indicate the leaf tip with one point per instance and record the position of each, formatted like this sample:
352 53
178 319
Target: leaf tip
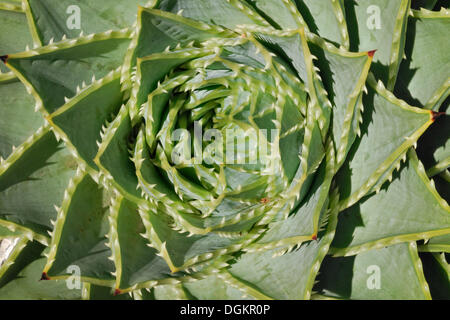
434 115
371 53
44 276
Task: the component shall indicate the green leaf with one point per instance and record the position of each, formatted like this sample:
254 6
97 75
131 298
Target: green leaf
53 20
113 157
20 122
224 215
389 128
35 182
181 250
379 25
11 5
32 155
23 253
94 292
6 233
186 188
59 71
287 276
302 224
425 50
215 288
437 273
169 292
154 68
151 181
393 272
325 18
295 47
158 30
79 237
28 287
14 34
229 217
90 116
395 214
281 14
219 12
136 262
344 75
437 244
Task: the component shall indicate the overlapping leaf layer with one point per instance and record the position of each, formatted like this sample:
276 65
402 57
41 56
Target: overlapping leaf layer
224 149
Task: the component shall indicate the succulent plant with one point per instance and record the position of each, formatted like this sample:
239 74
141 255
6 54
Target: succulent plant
224 149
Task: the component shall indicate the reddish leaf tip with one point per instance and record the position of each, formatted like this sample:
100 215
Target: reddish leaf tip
4 58
44 276
435 115
371 53
117 292
314 237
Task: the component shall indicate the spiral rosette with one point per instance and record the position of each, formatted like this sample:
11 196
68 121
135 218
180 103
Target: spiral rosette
223 135
213 144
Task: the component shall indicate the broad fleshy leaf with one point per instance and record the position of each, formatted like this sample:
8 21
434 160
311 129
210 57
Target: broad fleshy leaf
426 60
79 237
51 21
399 209
389 128
379 25
393 272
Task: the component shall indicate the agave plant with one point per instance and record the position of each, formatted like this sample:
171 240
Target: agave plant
224 149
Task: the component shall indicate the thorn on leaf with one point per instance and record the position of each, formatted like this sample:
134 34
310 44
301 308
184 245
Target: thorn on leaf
371 53
435 115
44 276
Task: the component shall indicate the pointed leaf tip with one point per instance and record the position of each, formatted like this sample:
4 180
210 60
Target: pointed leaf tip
371 53
44 276
435 115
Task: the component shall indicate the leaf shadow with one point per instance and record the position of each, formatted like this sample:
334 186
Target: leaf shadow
335 277
405 70
345 172
325 71
352 24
